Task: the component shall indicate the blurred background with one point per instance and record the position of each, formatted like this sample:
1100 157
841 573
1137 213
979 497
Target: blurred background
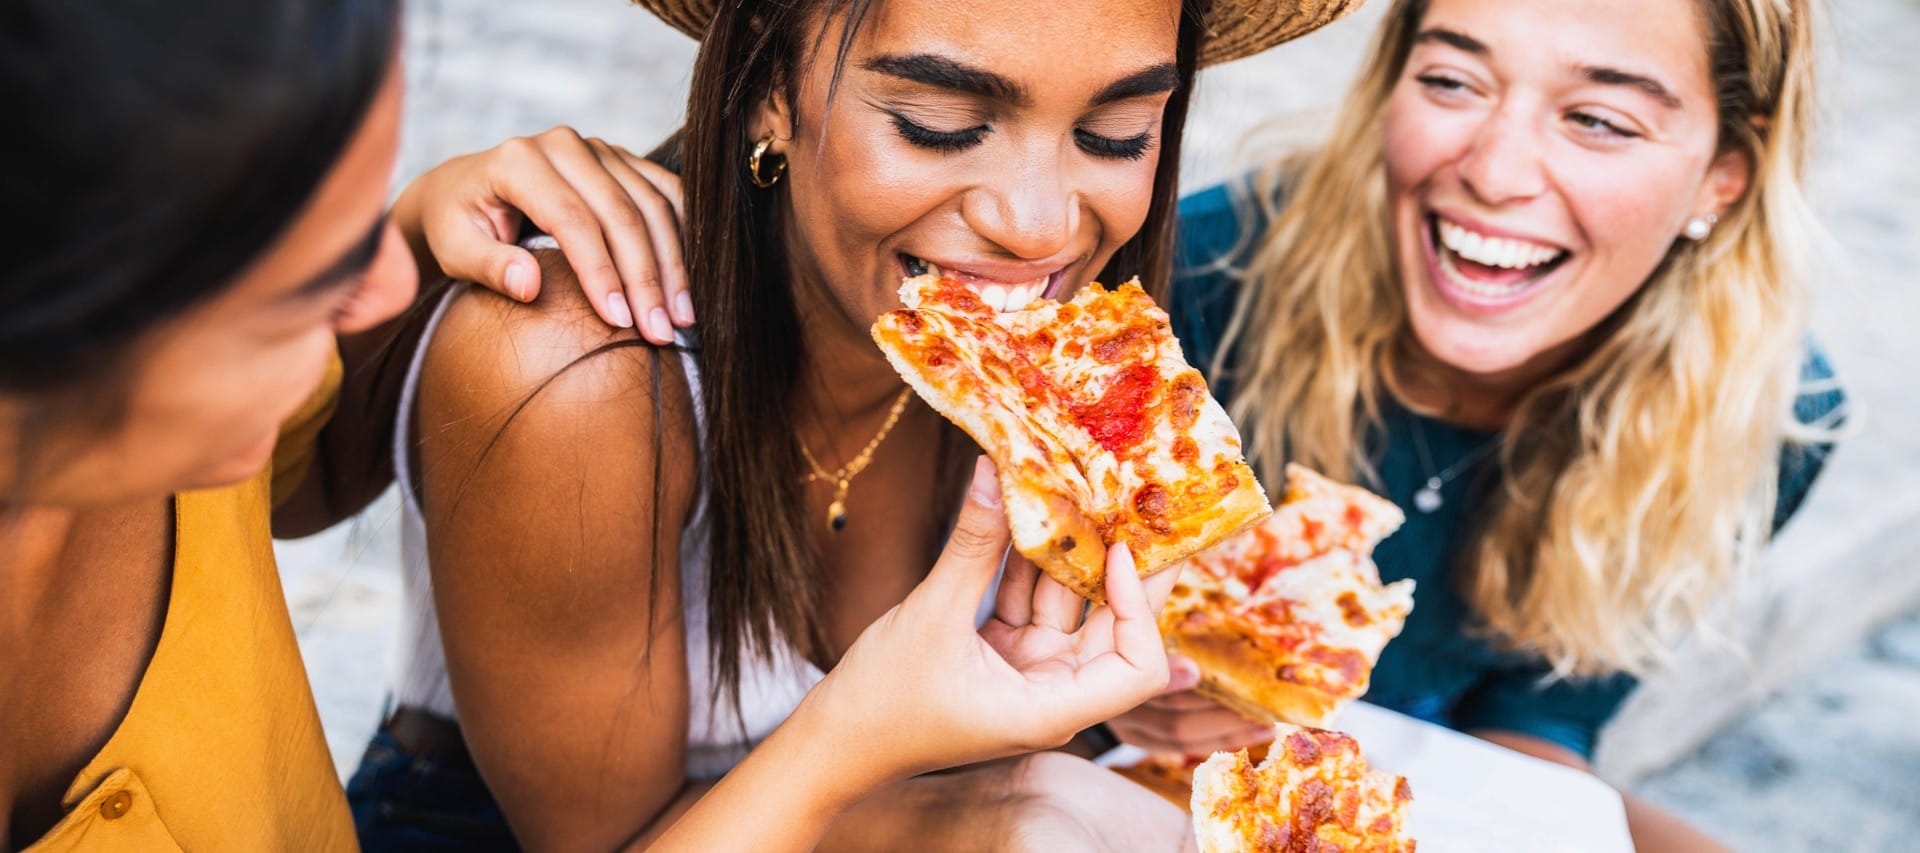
1800 734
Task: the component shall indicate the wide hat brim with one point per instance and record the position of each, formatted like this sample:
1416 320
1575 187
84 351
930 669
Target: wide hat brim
1241 28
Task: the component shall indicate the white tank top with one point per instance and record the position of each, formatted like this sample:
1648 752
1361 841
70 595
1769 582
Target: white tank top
716 741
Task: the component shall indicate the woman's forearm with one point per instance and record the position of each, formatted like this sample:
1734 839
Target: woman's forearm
1656 830
784 796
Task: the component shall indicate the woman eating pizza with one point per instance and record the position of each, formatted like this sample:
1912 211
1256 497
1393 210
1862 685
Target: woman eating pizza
206 220
1545 289
628 564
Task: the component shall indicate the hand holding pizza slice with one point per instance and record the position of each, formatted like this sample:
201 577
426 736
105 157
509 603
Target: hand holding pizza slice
1101 430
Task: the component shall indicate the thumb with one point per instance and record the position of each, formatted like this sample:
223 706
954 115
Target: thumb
477 256
976 547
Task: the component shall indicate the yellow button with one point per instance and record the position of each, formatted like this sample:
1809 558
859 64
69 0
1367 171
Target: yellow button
116 806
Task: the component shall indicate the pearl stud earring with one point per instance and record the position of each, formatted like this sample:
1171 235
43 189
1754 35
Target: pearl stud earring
1700 226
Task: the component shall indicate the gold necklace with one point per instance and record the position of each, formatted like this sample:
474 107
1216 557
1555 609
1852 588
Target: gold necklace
841 479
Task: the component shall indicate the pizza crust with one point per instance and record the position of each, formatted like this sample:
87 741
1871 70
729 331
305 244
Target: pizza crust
1238 674
1242 509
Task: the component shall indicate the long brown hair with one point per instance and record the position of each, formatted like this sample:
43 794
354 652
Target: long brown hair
763 569
1634 484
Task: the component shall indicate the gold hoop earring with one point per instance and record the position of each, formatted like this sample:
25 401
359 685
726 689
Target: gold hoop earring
753 163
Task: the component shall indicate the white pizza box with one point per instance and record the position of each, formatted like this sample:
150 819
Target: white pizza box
1470 795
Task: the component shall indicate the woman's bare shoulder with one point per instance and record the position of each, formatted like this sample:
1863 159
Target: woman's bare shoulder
550 378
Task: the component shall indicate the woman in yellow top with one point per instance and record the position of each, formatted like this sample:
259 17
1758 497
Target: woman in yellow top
195 212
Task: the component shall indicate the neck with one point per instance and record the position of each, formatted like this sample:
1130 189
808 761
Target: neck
32 541
845 376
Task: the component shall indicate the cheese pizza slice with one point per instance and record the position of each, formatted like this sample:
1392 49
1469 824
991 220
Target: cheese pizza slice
1314 792
1286 620
1101 431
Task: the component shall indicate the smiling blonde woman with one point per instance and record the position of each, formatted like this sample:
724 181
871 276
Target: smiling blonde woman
1544 287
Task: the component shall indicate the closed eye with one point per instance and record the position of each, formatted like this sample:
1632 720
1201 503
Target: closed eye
943 141
1106 147
1593 124
1441 83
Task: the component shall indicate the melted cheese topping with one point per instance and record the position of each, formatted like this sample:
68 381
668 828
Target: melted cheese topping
1314 792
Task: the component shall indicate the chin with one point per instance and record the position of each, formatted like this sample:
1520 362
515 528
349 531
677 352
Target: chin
238 466
1481 352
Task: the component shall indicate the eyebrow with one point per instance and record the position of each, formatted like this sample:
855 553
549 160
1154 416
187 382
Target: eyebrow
352 262
1597 74
1456 39
1164 77
1648 85
945 73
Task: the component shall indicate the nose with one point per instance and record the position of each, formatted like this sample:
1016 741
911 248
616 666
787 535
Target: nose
1029 210
386 288
1503 163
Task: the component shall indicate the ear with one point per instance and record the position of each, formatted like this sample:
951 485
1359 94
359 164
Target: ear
1726 180
775 116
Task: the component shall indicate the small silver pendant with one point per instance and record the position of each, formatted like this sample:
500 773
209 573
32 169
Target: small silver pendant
1427 499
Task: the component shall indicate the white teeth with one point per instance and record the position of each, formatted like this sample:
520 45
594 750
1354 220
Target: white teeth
1018 297
1494 251
995 296
1022 295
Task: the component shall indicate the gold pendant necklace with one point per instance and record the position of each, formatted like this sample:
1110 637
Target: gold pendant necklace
841 479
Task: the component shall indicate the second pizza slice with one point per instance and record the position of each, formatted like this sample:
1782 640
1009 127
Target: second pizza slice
1287 620
1101 431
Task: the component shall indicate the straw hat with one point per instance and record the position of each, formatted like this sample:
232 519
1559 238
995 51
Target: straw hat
1241 28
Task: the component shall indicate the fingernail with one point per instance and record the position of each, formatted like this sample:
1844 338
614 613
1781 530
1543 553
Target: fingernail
985 490
519 281
659 326
683 305
617 309
1182 673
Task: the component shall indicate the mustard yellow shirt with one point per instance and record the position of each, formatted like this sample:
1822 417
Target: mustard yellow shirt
221 748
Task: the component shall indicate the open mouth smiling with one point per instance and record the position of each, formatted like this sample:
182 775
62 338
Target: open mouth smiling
1488 270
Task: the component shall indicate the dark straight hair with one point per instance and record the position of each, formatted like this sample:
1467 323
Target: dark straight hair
764 571
155 150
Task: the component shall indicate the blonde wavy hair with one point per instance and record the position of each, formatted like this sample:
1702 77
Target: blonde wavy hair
1639 480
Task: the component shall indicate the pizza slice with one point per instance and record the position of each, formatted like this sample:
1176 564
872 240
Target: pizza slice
1101 431
1286 620
1314 792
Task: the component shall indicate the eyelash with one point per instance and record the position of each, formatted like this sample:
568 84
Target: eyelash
1590 122
1437 81
1106 147
948 142
943 141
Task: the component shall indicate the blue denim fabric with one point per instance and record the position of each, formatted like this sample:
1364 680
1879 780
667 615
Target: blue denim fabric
404 803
